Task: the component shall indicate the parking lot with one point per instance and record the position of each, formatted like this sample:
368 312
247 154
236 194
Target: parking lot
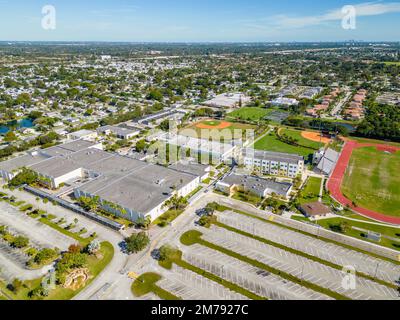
247 276
12 260
69 216
339 255
297 266
39 234
191 286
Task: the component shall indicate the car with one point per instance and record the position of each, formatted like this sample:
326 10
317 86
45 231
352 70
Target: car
201 212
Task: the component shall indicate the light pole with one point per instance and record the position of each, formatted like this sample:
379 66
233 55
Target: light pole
376 270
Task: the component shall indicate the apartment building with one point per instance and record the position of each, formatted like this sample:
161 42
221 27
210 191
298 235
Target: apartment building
273 163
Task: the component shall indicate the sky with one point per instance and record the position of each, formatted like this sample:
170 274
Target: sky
199 20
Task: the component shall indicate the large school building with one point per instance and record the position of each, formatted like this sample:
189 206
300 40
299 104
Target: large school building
125 186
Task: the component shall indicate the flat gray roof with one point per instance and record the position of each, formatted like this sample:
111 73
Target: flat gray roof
258 184
122 131
273 156
55 167
143 188
131 183
83 132
22 161
55 151
191 167
77 145
116 165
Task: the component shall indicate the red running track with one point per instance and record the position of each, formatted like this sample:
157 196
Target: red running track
336 180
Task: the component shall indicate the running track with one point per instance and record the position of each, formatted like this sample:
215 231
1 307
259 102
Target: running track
336 180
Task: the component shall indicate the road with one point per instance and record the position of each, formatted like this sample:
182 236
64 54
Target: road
338 108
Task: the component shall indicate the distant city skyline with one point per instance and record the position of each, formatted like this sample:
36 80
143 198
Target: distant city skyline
203 21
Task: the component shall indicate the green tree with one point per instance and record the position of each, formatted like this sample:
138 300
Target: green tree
176 202
141 145
10 136
143 222
137 242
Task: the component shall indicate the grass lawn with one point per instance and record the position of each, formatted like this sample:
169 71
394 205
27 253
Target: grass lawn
311 190
147 283
300 218
384 230
271 143
59 293
167 217
249 113
247 197
302 141
372 180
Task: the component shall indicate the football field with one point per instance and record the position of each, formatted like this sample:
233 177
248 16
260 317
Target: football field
372 180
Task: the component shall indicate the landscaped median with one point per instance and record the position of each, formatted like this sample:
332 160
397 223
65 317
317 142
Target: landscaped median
171 255
146 283
194 237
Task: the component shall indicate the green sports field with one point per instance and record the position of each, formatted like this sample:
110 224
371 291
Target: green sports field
196 132
372 180
249 113
271 143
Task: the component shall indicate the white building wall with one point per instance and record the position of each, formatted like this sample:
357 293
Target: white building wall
78 173
153 213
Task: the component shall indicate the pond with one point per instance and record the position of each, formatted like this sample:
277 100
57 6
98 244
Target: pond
24 123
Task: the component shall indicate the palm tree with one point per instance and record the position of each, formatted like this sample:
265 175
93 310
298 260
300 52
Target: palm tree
176 202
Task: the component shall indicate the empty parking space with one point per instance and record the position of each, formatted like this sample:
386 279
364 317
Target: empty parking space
336 254
247 276
298 266
191 286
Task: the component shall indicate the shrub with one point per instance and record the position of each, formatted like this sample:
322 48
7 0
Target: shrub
45 255
20 242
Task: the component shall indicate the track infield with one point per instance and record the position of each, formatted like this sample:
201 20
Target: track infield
369 180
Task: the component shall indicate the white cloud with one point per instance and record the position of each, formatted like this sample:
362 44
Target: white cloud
290 22
363 9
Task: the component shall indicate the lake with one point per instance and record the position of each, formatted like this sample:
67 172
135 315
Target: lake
24 123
